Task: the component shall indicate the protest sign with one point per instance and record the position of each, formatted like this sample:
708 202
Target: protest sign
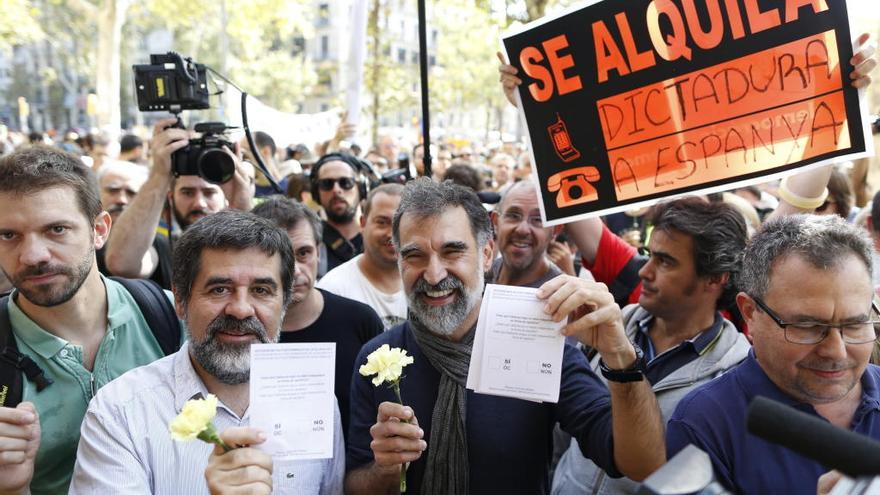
630 101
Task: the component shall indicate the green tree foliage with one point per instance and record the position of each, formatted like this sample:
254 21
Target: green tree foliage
466 76
262 38
389 84
18 23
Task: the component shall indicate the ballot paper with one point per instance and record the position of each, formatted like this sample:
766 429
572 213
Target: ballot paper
292 399
517 350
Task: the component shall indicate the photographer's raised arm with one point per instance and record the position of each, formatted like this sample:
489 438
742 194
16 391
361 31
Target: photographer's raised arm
129 248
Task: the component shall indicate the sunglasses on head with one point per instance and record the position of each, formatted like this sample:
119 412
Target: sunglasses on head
345 183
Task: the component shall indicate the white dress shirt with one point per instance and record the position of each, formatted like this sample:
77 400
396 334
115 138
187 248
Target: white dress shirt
125 446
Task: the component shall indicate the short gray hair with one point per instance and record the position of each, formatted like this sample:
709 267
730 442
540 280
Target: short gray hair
425 198
820 240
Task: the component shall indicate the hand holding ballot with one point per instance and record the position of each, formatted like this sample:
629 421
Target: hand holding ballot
593 317
291 399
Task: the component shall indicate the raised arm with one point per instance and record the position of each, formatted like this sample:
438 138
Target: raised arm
586 235
129 248
595 320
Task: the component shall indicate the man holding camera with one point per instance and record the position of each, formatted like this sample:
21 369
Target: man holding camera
130 250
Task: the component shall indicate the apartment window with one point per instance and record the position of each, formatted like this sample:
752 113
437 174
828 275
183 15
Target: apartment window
324 14
325 48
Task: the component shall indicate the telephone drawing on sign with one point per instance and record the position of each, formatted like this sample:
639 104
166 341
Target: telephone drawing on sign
562 141
574 186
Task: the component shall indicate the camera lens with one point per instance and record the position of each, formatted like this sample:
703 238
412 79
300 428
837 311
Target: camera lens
216 166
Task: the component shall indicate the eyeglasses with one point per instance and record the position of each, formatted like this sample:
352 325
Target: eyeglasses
812 332
345 183
515 217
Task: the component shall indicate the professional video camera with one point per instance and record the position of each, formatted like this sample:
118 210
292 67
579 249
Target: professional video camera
205 156
173 83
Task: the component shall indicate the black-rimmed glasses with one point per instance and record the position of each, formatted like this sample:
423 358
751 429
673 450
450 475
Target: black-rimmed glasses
813 332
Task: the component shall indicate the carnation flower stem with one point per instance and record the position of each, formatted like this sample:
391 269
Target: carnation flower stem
209 435
395 386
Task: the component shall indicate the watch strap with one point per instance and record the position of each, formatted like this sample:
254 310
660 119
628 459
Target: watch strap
634 373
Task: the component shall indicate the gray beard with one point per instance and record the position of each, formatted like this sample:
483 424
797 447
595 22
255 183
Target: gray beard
229 363
444 320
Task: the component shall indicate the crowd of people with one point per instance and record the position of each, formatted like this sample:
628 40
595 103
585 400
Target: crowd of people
130 289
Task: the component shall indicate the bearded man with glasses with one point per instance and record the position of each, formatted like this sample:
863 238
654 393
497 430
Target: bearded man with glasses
806 295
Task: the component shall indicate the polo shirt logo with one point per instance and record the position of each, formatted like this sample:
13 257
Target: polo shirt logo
290 475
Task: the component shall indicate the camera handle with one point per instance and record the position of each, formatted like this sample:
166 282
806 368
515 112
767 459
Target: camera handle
253 145
179 123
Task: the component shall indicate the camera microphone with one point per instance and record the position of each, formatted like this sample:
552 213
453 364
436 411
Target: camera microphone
812 437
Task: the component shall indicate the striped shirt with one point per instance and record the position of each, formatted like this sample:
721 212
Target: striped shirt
125 446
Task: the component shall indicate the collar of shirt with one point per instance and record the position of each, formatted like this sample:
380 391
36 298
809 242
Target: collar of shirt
46 344
671 360
699 344
188 385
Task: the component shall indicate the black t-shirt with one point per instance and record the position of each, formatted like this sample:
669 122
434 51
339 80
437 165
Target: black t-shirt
161 275
348 323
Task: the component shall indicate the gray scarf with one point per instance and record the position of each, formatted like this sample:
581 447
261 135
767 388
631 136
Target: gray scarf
447 467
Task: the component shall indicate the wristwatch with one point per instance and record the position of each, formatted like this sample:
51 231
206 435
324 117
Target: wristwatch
634 373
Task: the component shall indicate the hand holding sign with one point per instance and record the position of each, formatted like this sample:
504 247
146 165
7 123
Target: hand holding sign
508 78
863 61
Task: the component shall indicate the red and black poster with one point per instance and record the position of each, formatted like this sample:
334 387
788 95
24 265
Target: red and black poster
630 101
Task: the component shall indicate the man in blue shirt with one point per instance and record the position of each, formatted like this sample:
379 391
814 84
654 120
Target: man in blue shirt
465 442
806 297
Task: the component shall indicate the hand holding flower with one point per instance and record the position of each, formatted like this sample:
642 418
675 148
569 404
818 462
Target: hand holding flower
244 470
397 438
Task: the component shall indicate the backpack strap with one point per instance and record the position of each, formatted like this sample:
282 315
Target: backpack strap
14 364
627 280
337 244
157 310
